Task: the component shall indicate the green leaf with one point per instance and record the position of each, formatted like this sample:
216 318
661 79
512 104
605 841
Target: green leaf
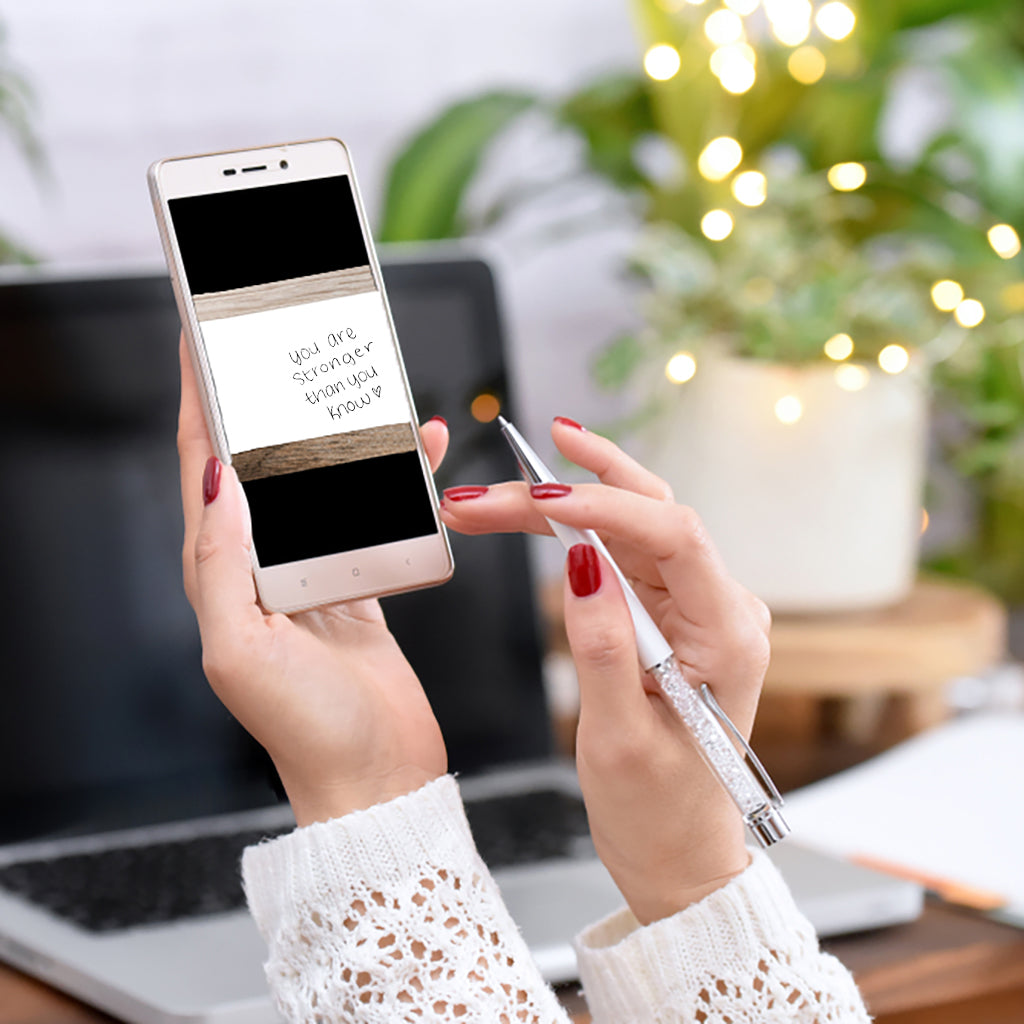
916 13
995 414
428 180
612 114
983 457
614 366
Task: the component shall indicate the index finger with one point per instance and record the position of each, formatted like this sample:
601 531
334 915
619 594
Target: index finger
194 448
606 460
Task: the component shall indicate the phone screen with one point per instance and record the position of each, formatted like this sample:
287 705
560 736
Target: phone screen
305 369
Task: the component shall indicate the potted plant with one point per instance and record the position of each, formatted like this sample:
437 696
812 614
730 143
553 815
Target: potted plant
785 378
769 264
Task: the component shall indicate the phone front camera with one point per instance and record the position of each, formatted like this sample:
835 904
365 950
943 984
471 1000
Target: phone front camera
284 165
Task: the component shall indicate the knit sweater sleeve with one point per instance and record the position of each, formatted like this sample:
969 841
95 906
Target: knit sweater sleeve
743 955
389 914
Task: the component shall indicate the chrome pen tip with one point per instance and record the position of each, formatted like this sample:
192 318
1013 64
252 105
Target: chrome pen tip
768 826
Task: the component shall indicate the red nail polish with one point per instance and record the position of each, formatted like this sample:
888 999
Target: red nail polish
211 479
549 490
566 422
584 570
440 419
464 493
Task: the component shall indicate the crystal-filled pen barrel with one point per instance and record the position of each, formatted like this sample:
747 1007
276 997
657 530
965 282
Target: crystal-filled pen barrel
720 754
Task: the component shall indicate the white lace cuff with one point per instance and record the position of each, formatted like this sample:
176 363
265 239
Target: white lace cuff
743 954
389 914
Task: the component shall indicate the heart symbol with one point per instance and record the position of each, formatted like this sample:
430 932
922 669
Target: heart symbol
376 391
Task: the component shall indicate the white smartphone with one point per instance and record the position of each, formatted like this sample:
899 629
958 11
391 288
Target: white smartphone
294 348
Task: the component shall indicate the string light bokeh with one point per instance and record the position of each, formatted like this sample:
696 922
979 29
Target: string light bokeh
736 36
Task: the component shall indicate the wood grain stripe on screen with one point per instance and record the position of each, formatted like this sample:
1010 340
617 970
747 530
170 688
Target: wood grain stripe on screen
278 459
294 292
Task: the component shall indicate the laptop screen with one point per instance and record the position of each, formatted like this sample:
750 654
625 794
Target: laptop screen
106 720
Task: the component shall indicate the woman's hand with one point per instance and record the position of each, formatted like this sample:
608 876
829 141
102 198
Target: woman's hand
661 823
327 692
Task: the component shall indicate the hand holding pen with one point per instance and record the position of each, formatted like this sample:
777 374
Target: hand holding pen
663 825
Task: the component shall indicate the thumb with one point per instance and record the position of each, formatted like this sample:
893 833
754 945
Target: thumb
603 642
225 589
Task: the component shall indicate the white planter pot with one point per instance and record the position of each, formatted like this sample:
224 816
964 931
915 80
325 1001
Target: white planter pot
818 515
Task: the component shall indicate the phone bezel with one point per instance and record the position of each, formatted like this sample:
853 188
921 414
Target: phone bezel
366 572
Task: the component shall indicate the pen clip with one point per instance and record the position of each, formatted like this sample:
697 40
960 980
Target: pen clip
759 770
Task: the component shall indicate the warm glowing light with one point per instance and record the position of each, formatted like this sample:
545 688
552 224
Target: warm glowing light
947 295
681 368
750 188
734 52
806 64
847 177
485 407
969 313
790 20
852 376
839 347
719 158
925 520
662 62
894 359
716 225
789 409
723 27
742 7
737 76
1004 240
835 20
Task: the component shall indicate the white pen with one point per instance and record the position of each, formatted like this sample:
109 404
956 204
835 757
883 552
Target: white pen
752 791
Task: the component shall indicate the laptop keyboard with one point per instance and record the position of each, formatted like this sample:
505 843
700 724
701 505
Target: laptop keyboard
109 890
126 887
527 827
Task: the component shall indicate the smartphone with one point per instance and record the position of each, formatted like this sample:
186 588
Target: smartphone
305 395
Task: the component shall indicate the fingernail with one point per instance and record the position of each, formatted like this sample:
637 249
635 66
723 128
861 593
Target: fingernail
440 419
549 490
584 570
464 493
211 479
566 422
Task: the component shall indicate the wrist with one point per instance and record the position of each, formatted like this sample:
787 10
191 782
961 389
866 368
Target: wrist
670 878
653 903
321 800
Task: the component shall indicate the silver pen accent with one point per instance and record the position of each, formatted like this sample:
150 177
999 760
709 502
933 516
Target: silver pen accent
714 735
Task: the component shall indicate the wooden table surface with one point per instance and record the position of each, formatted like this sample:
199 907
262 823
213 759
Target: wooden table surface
949 966
942 630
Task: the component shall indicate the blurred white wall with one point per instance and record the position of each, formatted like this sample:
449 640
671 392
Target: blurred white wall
120 83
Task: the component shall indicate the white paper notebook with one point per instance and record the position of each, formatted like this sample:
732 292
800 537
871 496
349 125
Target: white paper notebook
947 803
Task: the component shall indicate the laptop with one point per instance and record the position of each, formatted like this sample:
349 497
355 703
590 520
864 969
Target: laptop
120 772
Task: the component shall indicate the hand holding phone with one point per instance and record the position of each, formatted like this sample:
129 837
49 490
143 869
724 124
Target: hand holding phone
327 692
299 372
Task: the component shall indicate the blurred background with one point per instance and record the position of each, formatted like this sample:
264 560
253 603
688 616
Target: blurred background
770 245
95 98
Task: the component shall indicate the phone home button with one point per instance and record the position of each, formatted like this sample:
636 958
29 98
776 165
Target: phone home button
355 572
